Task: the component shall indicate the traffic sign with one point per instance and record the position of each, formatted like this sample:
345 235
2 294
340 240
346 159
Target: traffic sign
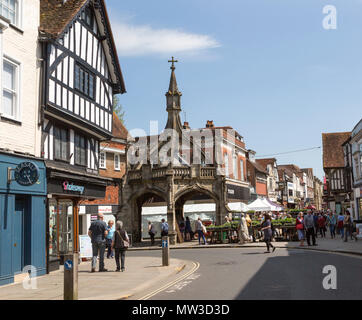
68 265
164 243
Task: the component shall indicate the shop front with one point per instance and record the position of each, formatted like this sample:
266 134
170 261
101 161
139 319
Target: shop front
22 216
65 192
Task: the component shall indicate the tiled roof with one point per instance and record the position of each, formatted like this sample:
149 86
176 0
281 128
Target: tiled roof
119 130
264 162
333 156
55 16
258 167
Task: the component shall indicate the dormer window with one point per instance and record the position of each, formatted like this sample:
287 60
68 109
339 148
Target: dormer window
88 17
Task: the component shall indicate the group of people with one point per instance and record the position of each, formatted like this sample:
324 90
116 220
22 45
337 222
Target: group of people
104 236
308 226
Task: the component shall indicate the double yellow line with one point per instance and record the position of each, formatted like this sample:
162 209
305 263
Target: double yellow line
194 269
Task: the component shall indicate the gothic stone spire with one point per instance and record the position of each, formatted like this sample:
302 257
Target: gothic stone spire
173 98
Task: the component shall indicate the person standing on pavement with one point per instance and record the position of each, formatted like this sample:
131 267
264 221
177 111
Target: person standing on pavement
120 244
268 233
299 225
316 226
151 232
164 228
200 229
109 239
348 227
188 229
332 221
98 232
321 225
340 223
309 227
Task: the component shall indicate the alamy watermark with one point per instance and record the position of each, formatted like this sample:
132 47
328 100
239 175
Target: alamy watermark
30 281
330 20
330 280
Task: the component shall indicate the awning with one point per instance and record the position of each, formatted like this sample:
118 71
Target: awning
238 206
259 205
274 206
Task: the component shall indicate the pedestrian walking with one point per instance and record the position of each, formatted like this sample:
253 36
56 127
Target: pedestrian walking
332 222
98 232
200 229
268 233
340 223
321 225
316 226
188 229
152 232
348 227
120 245
109 239
164 228
299 225
309 227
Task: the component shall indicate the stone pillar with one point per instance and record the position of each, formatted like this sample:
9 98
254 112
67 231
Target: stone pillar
171 213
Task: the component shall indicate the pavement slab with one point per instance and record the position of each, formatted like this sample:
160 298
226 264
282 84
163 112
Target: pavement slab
143 274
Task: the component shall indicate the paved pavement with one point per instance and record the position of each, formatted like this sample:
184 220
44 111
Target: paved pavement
143 275
323 244
249 273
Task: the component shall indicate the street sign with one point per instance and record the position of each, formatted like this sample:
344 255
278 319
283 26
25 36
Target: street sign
164 243
68 265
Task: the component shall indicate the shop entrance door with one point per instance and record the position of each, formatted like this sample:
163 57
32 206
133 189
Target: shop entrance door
18 236
65 227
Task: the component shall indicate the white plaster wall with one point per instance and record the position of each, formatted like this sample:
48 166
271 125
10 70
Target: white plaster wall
24 136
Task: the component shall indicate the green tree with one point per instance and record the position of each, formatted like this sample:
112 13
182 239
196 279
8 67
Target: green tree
118 108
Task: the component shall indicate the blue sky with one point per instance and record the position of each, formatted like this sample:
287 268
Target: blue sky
267 68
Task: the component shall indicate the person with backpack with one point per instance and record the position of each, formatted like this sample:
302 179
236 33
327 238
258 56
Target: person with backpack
120 245
164 228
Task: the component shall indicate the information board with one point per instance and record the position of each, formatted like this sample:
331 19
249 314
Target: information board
85 244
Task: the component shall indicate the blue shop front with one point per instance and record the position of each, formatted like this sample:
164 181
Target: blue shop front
22 216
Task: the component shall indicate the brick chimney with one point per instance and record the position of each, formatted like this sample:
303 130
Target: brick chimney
186 125
210 124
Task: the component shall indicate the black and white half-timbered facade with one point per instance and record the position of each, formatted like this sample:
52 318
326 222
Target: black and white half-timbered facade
81 73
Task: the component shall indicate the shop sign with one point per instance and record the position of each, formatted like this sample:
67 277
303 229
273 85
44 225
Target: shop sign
72 187
105 209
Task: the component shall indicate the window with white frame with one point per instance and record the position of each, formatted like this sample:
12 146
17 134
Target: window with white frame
102 160
10 9
117 162
226 164
235 167
10 83
242 177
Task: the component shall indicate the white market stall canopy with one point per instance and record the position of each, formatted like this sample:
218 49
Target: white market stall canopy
259 205
238 206
188 208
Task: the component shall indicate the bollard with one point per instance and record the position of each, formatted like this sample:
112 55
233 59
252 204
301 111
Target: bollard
71 276
165 252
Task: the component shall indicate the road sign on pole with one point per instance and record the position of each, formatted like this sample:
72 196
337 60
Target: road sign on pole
71 276
165 252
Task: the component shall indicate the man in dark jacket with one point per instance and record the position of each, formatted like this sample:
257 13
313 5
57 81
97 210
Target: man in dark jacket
97 232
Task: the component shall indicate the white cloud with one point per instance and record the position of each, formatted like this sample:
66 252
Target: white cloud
132 40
